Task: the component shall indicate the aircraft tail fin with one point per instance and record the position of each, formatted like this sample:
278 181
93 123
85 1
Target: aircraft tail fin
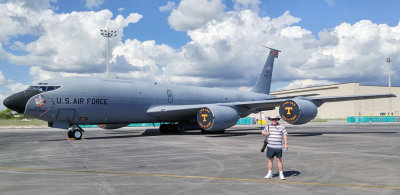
263 84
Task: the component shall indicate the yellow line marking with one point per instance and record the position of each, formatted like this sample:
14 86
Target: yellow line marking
73 139
194 177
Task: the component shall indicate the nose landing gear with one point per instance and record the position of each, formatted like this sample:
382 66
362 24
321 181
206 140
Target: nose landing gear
75 133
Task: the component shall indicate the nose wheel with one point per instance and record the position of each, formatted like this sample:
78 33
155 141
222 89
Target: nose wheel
75 132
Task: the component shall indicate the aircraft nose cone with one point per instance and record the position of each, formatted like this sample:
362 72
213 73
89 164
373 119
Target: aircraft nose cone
17 102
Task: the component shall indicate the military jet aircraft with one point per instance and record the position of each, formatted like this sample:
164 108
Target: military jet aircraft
67 103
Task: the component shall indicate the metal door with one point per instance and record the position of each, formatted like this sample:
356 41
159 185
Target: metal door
66 115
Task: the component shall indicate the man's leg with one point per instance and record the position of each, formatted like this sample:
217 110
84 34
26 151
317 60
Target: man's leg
270 164
280 167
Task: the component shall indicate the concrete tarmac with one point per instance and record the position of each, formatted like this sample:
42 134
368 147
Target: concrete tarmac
323 158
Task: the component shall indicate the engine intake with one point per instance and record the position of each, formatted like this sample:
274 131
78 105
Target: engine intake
298 111
217 118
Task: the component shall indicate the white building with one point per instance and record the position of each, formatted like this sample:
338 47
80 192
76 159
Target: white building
341 110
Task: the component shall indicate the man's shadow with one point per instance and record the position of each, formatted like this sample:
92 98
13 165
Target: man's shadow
288 174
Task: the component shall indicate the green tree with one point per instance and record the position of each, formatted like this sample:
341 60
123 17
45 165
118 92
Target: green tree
6 114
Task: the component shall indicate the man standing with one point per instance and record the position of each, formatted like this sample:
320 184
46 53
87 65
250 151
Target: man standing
275 132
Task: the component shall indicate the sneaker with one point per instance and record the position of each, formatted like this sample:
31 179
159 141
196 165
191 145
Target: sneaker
281 176
268 176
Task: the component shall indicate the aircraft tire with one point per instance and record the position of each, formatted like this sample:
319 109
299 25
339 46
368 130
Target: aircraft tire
174 128
170 128
70 134
163 128
77 134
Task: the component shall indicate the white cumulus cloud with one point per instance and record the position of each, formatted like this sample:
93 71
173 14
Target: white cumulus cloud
191 14
33 4
170 5
11 85
69 42
226 51
247 4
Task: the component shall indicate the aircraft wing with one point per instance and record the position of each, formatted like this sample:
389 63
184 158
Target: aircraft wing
191 110
270 104
352 97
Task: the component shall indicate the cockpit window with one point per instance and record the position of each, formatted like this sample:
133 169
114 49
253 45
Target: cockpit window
33 87
43 88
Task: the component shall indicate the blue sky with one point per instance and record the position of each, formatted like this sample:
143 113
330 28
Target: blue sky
191 41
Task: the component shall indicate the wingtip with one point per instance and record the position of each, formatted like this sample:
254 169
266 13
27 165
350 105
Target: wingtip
272 49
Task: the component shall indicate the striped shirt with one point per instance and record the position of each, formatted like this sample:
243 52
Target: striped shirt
275 136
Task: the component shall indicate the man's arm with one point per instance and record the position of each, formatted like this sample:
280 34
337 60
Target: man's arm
265 131
286 142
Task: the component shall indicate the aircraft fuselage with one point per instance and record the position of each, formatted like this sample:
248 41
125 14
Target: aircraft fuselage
101 101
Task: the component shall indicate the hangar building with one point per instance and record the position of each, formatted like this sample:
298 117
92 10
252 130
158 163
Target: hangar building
341 110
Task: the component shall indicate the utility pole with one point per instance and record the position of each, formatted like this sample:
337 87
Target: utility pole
389 60
108 34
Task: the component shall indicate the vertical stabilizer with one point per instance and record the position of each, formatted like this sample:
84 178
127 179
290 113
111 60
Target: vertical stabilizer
263 84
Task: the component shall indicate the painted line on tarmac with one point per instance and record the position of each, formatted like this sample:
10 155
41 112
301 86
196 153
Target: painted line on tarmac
192 177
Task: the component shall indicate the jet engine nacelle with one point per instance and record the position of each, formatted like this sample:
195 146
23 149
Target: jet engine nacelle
112 126
217 118
298 111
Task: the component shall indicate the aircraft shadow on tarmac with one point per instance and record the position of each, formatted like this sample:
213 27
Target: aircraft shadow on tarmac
228 133
306 134
118 134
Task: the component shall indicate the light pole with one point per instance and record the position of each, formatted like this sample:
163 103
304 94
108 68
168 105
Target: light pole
389 60
109 34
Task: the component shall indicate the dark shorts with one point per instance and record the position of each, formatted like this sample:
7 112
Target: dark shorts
272 152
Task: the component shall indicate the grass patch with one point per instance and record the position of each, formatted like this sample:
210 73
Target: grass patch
18 122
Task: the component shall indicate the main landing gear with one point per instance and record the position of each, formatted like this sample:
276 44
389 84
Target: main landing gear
171 128
75 132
